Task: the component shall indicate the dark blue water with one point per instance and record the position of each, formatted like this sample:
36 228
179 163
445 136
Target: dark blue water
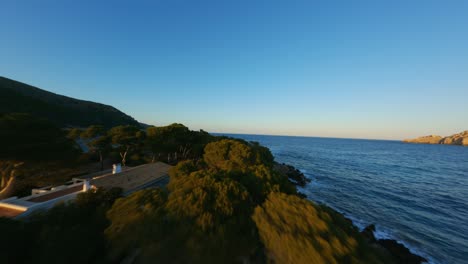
417 194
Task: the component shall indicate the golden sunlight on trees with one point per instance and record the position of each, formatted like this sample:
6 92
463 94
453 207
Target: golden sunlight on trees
229 155
206 214
229 205
295 230
176 142
248 163
135 220
207 199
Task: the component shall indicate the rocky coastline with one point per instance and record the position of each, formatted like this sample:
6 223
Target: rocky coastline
460 139
397 250
294 175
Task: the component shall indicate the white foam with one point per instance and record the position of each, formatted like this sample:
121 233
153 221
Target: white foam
380 233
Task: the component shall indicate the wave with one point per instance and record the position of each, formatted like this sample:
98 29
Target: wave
380 232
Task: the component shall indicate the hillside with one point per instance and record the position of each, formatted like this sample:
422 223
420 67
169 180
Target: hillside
455 139
62 110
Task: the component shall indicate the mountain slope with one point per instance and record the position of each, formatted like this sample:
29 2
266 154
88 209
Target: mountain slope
62 110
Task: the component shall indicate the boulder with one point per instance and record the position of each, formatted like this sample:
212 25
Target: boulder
293 174
401 253
368 233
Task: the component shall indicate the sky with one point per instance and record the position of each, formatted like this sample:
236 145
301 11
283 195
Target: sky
354 69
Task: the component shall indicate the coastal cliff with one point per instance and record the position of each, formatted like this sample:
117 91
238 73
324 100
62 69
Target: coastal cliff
456 139
223 193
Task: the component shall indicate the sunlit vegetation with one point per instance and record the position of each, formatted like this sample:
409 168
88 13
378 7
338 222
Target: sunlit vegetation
133 146
38 153
207 209
295 230
176 142
225 203
231 207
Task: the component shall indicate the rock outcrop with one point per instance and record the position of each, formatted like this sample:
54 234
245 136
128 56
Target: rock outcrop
293 174
399 252
456 139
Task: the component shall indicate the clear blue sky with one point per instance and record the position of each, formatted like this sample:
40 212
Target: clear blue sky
364 69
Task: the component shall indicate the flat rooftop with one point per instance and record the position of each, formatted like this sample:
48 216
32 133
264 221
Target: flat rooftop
135 178
53 195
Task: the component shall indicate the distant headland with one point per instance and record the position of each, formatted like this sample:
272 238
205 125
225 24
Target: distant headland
456 139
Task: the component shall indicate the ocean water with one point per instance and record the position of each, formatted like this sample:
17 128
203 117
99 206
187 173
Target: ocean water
416 194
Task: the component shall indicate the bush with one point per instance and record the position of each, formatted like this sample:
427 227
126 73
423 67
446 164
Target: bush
295 230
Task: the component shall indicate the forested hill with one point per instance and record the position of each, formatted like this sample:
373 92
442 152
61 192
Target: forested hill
62 110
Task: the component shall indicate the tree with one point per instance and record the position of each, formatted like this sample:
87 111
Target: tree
207 198
176 142
249 164
99 142
93 131
168 139
295 230
100 145
126 137
74 133
25 139
136 220
229 155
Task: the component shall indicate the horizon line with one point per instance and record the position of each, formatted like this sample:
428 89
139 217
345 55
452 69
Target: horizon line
301 136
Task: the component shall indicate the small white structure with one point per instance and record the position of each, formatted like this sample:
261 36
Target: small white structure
86 185
116 168
43 198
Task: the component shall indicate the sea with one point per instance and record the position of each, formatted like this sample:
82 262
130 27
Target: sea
416 194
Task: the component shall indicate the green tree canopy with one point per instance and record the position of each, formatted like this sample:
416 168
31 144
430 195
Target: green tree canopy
249 164
295 230
136 221
177 138
124 135
126 138
229 155
101 145
93 131
208 199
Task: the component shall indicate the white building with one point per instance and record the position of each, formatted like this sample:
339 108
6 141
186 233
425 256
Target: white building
42 199
129 179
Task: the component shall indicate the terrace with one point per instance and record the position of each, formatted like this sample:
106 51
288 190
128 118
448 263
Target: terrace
129 179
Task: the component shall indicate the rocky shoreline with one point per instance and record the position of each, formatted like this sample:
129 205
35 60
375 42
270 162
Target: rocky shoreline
460 139
294 175
397 250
